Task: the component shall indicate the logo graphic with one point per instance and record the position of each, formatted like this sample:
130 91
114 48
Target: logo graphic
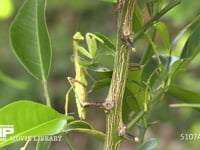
5 130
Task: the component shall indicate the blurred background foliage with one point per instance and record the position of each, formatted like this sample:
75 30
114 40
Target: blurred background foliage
64 18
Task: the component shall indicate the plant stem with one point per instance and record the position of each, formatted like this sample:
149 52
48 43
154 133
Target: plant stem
142 133
120 73
46 93
68 141
136 119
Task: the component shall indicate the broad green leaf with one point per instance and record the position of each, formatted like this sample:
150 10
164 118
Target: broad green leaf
77 125
183 94
190 26
43 145
137 18
186 105
84 127
30 40
155 73
101 72
150 7
192 46
126 110
134 73
148 53
164 34
133 87
174 68
100 84
132 102
153 78
31 119
150 71
135 91
159 5
107 42
151 144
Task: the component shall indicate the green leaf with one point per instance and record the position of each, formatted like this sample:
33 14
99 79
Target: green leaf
134 74
30 40
84 127
137 18
192 46
126 110
134 102
164 34
100 84
175 68
150 71
183 94
190 26
107 42
148 53
31 119
78 125
155 74
101 72
149 145
150 7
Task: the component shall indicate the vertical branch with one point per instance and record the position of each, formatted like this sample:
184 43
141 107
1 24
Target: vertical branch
46 93
120 73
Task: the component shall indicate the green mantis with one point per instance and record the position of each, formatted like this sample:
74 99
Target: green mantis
79 83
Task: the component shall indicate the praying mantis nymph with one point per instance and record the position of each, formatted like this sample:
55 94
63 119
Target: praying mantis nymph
79 83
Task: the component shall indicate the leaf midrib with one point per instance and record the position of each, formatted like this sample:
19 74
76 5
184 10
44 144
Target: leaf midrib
39 48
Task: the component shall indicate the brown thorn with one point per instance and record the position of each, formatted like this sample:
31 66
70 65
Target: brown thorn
132 137
123 133
92 104
127 40
106 105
